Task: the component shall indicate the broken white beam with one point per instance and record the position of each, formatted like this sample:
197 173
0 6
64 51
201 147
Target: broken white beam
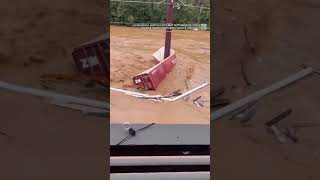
135 94
54 96
131 93
259 94
202 175
186 93
159 160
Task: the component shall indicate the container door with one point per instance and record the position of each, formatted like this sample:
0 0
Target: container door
147 82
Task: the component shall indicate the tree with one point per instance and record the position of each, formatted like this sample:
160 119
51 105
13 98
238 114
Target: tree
156 13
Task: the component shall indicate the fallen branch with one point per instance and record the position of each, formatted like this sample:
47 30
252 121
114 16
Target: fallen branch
291 135
246 37
244 74
188 77
272 125
195 101
282 138
280 117
252 51
198 104
186 83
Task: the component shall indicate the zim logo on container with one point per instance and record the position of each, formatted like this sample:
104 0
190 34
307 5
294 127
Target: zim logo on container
89 62
137 81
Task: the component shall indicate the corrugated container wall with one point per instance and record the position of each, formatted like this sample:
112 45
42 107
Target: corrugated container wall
92 58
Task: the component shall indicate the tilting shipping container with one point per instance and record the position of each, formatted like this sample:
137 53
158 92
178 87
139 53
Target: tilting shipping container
151 78
92 58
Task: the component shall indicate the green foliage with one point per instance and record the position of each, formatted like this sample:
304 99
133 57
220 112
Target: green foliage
128 13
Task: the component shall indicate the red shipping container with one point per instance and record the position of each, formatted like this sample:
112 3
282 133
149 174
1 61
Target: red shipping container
151 78
92 58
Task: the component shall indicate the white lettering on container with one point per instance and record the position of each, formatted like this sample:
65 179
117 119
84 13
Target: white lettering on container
89 62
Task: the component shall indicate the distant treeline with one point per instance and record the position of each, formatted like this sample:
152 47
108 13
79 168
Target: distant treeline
126 13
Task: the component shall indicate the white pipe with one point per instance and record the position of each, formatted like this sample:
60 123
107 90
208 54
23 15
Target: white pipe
185 94
135 94
53 95
259 94
203 175
131 93
159 160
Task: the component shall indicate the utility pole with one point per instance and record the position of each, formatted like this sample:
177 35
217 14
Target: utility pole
167 46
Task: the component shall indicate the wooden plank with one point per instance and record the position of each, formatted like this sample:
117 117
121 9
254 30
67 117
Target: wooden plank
162 134
261 93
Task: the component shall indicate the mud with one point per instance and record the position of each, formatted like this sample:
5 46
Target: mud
131 54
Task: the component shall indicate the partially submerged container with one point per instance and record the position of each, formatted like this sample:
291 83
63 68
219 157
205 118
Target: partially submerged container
152 77
92 58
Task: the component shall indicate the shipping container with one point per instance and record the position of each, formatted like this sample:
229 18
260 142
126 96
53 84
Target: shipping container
92 58
151 78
